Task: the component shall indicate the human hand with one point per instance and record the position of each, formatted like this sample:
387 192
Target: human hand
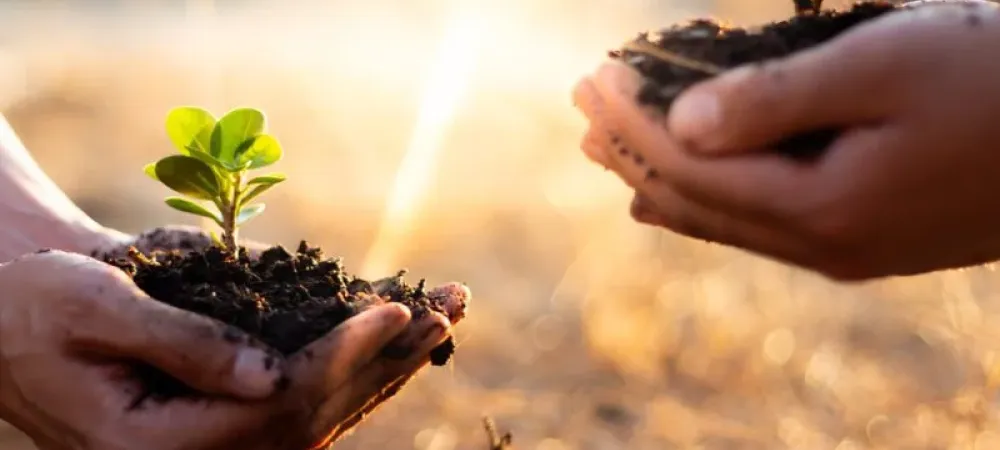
73 330
907 187
312 372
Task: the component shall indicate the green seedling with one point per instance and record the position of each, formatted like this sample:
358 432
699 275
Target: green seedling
210 172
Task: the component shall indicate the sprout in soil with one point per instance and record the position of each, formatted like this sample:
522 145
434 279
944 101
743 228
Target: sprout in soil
212 166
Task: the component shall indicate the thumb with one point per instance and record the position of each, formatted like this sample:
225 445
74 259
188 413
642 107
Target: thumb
841 83
201 352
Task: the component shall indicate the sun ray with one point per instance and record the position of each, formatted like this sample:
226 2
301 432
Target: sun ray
442 97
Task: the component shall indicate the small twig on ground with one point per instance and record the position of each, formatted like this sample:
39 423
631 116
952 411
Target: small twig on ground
497 442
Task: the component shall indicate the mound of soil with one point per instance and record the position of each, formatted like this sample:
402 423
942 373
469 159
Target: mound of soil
286 300
677 57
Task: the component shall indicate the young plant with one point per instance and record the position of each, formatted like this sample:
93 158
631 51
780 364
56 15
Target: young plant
215 156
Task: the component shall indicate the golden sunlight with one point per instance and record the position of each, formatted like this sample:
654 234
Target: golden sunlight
442 96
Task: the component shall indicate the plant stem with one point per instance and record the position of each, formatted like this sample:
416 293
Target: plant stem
230 211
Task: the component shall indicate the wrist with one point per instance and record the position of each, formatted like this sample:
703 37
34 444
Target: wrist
29 231
35 213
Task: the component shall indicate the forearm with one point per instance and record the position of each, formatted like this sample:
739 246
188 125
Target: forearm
34 212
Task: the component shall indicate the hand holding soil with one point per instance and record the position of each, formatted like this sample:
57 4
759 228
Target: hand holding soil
71 330
75 335
176 339
904 184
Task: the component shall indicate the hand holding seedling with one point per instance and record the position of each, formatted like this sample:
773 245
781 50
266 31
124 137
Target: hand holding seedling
907 187
73 331
87 358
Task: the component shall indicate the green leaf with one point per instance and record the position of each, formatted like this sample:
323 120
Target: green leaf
189 176
190 128
233 130
249 212
235 166
205 157
150 170
257 190
271 178
262 152
185 205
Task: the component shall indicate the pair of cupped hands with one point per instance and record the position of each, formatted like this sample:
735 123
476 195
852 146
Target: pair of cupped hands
72 329
908 187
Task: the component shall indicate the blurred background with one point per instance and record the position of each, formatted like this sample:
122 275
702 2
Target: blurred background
439 136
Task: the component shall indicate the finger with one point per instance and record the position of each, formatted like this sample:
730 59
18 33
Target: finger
692 219
369 408
209 423
105 312
850 80
385 377
325 365
595 140
449 301
757 187
410 343
595 147
585 100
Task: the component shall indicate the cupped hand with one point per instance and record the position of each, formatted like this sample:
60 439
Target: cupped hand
74 330
907 188
72 333
341 378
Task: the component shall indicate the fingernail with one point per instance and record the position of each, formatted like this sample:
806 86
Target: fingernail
586 99
434 335
256 372
695 115
436 331
620 77
414 340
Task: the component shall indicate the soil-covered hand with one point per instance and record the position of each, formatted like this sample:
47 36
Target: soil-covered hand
75 333
335 392
907 187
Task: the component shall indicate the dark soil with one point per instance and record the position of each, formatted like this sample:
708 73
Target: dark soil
706 41
285 299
